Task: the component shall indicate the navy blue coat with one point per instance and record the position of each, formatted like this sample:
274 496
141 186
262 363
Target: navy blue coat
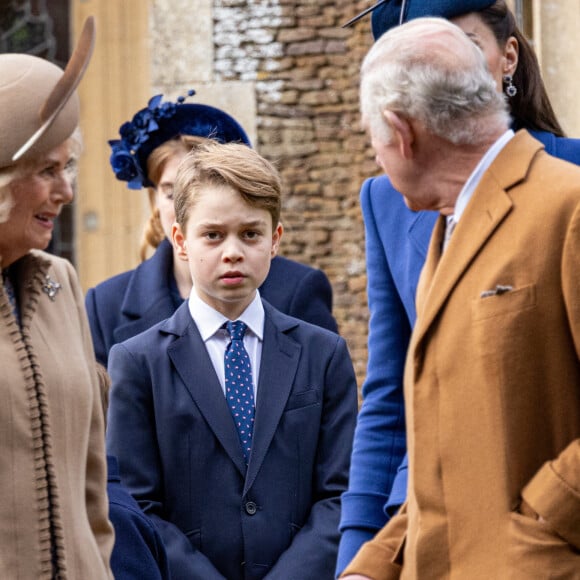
132 302
139 553
397 240
179 452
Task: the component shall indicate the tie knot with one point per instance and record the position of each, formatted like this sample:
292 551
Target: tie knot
237 329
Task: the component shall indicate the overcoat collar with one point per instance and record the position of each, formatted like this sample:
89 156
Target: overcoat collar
147 298
490 204
280 351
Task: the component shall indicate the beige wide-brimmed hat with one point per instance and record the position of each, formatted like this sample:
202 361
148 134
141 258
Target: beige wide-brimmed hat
39 106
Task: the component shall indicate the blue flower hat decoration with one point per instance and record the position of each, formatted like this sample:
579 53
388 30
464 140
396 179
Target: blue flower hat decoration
160 122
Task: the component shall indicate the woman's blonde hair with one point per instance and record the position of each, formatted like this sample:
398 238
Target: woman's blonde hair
153 233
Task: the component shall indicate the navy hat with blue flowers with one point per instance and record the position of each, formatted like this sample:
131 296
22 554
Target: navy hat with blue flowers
389 13
159 122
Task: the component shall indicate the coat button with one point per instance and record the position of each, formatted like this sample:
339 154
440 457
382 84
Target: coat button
251 508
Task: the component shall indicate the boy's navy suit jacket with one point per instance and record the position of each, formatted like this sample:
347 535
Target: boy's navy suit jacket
179 452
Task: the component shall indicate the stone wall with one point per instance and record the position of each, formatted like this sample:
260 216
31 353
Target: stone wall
303 70
556 25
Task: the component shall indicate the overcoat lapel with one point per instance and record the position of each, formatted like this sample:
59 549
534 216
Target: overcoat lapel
274 387
147 298
204 388
430 266
486 210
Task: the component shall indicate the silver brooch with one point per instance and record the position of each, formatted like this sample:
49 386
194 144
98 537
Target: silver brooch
50 287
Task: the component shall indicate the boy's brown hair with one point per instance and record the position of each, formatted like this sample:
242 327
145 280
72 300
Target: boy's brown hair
233 165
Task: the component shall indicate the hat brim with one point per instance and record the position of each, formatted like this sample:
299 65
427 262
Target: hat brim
65 87
364 13
387 14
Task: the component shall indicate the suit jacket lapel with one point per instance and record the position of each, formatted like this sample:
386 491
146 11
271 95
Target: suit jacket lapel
279 352
274 386
486 210
204 388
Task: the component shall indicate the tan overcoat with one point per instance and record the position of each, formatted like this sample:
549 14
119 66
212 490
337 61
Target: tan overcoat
492 387
52 457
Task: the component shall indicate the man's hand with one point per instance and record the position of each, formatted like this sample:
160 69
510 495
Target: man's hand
526 510
355 577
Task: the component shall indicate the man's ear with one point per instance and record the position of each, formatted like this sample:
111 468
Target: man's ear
402 133
276 236
179 242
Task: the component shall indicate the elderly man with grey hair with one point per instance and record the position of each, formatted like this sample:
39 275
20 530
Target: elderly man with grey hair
492 380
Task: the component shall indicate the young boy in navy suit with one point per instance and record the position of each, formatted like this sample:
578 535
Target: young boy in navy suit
232 422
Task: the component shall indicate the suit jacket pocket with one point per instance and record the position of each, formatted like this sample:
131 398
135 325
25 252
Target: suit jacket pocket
501 303
302 399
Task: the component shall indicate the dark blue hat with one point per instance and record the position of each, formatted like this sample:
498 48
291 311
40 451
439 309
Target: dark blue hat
159 122
389 13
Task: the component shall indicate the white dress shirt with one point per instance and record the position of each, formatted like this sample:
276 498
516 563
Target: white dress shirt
471 184
210 323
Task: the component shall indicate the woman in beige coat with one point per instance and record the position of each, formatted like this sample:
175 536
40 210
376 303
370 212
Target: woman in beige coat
53 502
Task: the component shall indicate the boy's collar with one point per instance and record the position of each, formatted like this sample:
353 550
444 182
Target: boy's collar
209 320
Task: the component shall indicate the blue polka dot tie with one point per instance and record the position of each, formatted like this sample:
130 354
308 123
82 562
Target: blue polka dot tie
239 384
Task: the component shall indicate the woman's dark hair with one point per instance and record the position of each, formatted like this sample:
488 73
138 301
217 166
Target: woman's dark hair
530 107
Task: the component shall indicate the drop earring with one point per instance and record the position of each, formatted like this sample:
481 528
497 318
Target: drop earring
510 90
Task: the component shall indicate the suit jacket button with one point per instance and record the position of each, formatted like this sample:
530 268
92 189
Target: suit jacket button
251 508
